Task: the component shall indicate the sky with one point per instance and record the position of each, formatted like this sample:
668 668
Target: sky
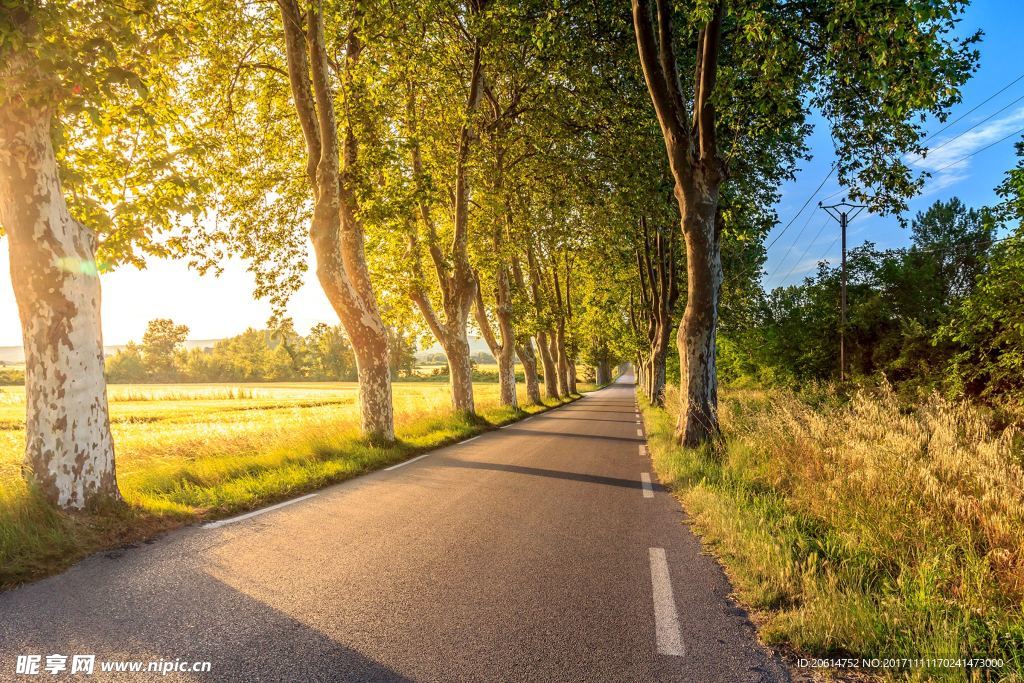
811 236
217 307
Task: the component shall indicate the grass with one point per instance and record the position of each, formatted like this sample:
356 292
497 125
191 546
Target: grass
187 453
856 528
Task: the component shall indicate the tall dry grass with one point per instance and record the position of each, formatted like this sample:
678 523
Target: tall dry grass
861 527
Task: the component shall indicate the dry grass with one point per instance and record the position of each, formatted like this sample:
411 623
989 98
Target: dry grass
192 452
863 529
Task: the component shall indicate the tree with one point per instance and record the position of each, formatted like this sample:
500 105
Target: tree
659 289
337 230
126 366
73 77
987 327
161 348
457 284
775 59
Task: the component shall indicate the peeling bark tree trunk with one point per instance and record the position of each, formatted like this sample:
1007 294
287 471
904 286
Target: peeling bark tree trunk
698 171
525 350
529 360
572 376
336 231
460 373
69 451
503 351
698 417
557 341
548 361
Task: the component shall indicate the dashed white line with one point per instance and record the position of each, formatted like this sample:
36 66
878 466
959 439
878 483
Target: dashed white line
472 439
403 464
249 515
666 618
639 432
643 449
645 484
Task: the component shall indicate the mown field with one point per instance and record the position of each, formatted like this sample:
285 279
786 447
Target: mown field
189 452
857 527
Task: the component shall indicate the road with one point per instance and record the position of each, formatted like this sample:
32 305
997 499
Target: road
537 552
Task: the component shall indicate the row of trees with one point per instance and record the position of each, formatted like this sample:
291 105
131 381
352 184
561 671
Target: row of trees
521 163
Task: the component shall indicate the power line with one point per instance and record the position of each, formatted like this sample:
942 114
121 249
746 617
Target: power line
973 109
793 243
750 270
807 249
979 150
968 130
809 200
965 131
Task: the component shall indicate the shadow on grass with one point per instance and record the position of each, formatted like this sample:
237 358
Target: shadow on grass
37 540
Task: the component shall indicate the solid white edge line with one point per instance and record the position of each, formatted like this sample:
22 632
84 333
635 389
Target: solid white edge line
666 618
406 462
645 484
248 515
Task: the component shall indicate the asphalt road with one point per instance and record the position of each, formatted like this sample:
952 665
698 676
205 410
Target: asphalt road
532 553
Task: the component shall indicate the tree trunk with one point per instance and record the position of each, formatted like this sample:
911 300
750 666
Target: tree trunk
603 373
507 377
336 230
503 351
656 394
698 415
376 408
558 351
691 145
69 452
548 361
460 371
572 376
529 360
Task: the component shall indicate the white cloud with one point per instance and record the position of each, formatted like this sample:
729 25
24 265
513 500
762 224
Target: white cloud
946 161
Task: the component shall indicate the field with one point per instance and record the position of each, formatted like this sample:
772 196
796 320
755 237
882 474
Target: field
858 528
197 451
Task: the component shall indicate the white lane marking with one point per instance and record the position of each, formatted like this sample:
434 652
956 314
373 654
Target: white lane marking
643 449
666 618
406 462
645 483
248 515
639 432
468 440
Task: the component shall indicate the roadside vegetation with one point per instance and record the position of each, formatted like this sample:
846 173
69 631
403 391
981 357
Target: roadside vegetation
188 453
857 527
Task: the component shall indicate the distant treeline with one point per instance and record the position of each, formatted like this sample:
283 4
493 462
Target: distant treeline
325 354
253 356
11 376
946 313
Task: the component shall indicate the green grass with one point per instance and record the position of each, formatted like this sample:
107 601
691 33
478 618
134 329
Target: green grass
187 453
856 529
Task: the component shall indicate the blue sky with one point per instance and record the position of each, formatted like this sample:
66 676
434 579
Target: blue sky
219 307
813 237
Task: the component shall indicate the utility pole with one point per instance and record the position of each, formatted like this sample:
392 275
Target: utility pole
844 212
